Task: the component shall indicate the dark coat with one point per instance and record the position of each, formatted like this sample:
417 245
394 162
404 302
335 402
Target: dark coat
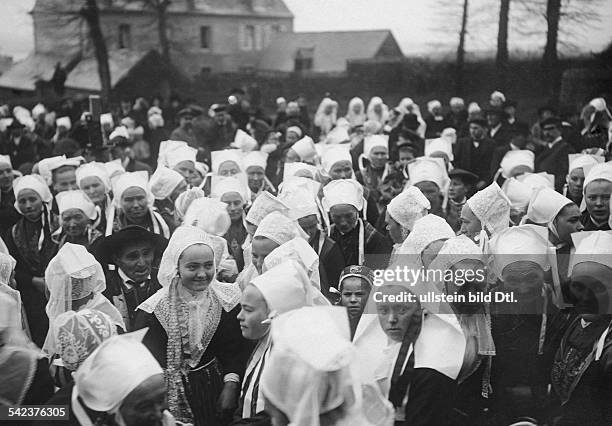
331 262
475 160
555 161
375 244
116 294
8 215
503 135
25 152
589 225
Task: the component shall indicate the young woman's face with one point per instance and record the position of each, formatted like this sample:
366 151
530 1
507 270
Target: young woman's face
30 204
253 312
235 205
575 181
196 267
395 317
395 229
261 247
93 187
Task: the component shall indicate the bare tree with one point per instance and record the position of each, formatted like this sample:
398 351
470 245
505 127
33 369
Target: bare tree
455 12
161 7
563 23
91 13
502 56
460 63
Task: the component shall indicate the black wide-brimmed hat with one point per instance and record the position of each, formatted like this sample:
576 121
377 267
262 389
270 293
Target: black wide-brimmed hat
465 176
107 247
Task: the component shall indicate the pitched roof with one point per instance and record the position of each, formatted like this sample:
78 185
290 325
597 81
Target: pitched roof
24 74
269 8
84 76
330 50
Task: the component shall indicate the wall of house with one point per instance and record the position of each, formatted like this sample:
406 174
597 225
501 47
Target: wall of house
229 47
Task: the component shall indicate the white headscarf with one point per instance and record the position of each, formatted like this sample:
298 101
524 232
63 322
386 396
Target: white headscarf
210 215
426 230
278 227
304 378
524 243
67 200
381 117
325 121
94 169
300 251
183 238
164 181
408 206
492 208
78 334
263 205
117 367
74 274
36 184
356 119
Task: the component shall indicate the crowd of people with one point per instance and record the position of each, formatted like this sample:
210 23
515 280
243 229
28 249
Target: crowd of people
223 267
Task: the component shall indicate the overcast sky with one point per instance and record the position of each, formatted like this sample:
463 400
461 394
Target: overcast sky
413 23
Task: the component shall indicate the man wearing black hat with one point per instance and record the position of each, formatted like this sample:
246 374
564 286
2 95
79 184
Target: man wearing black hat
221 131
515 125
122 149
553 157
184 132
499 130
462 186
132 255
19 146
475 152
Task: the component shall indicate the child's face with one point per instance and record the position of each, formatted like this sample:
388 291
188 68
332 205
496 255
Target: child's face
457 190
405 156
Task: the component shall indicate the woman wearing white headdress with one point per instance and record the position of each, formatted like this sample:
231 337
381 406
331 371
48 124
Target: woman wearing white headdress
233 193
193 330
527 330
355 113
309 384
76 281
94 180
326 116
583 357
280 289
403 211
378 111
77 334
133 205
78 217
30 243
166 185
579 164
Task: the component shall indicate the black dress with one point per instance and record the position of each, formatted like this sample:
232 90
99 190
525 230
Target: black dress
226 353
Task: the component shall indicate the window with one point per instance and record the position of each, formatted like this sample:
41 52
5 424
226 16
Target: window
248 37
304 59
205 37
125 36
